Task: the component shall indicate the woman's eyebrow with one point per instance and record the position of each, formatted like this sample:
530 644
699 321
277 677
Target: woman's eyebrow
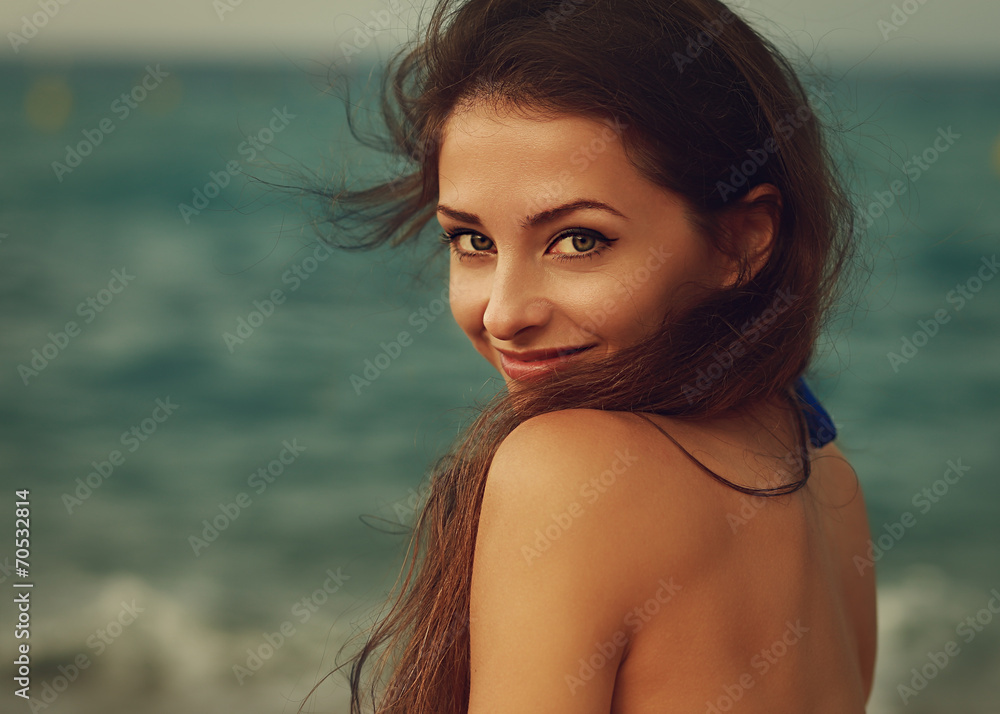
545 216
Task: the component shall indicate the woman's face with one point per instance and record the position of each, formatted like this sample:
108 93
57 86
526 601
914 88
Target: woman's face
566 245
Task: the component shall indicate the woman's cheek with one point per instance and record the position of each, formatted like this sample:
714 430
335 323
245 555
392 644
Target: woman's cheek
464 300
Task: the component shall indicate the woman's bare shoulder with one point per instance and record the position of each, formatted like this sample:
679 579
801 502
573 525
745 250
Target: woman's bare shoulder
640 458
594 441
614 467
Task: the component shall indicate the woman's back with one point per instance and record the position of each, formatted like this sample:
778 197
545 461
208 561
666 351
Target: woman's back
777 617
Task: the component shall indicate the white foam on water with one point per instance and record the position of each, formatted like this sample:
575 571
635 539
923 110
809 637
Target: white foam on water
917 614
166 658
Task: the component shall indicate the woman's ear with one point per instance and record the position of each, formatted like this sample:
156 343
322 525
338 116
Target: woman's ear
753 226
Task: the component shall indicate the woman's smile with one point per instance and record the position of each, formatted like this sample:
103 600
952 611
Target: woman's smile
535 363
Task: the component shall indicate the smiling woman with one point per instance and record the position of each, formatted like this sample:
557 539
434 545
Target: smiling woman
511 274
645 235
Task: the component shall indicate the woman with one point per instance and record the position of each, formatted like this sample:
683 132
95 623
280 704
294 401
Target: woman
646 234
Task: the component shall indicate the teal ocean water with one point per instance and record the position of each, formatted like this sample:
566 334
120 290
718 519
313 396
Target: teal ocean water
204 474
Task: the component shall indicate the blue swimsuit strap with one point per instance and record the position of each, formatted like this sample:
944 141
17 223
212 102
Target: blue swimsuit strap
821 428
817 420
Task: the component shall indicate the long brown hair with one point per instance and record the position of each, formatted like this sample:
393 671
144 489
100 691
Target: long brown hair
709 110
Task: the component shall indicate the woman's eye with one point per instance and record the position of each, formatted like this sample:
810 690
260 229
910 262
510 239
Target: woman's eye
573 243
454 240
581 243
577 243
478 242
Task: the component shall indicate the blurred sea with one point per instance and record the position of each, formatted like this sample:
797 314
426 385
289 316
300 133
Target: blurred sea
165 622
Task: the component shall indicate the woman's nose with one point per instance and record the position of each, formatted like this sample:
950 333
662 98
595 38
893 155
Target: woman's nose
517 299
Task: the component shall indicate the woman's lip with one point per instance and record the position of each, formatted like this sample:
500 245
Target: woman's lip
518 369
